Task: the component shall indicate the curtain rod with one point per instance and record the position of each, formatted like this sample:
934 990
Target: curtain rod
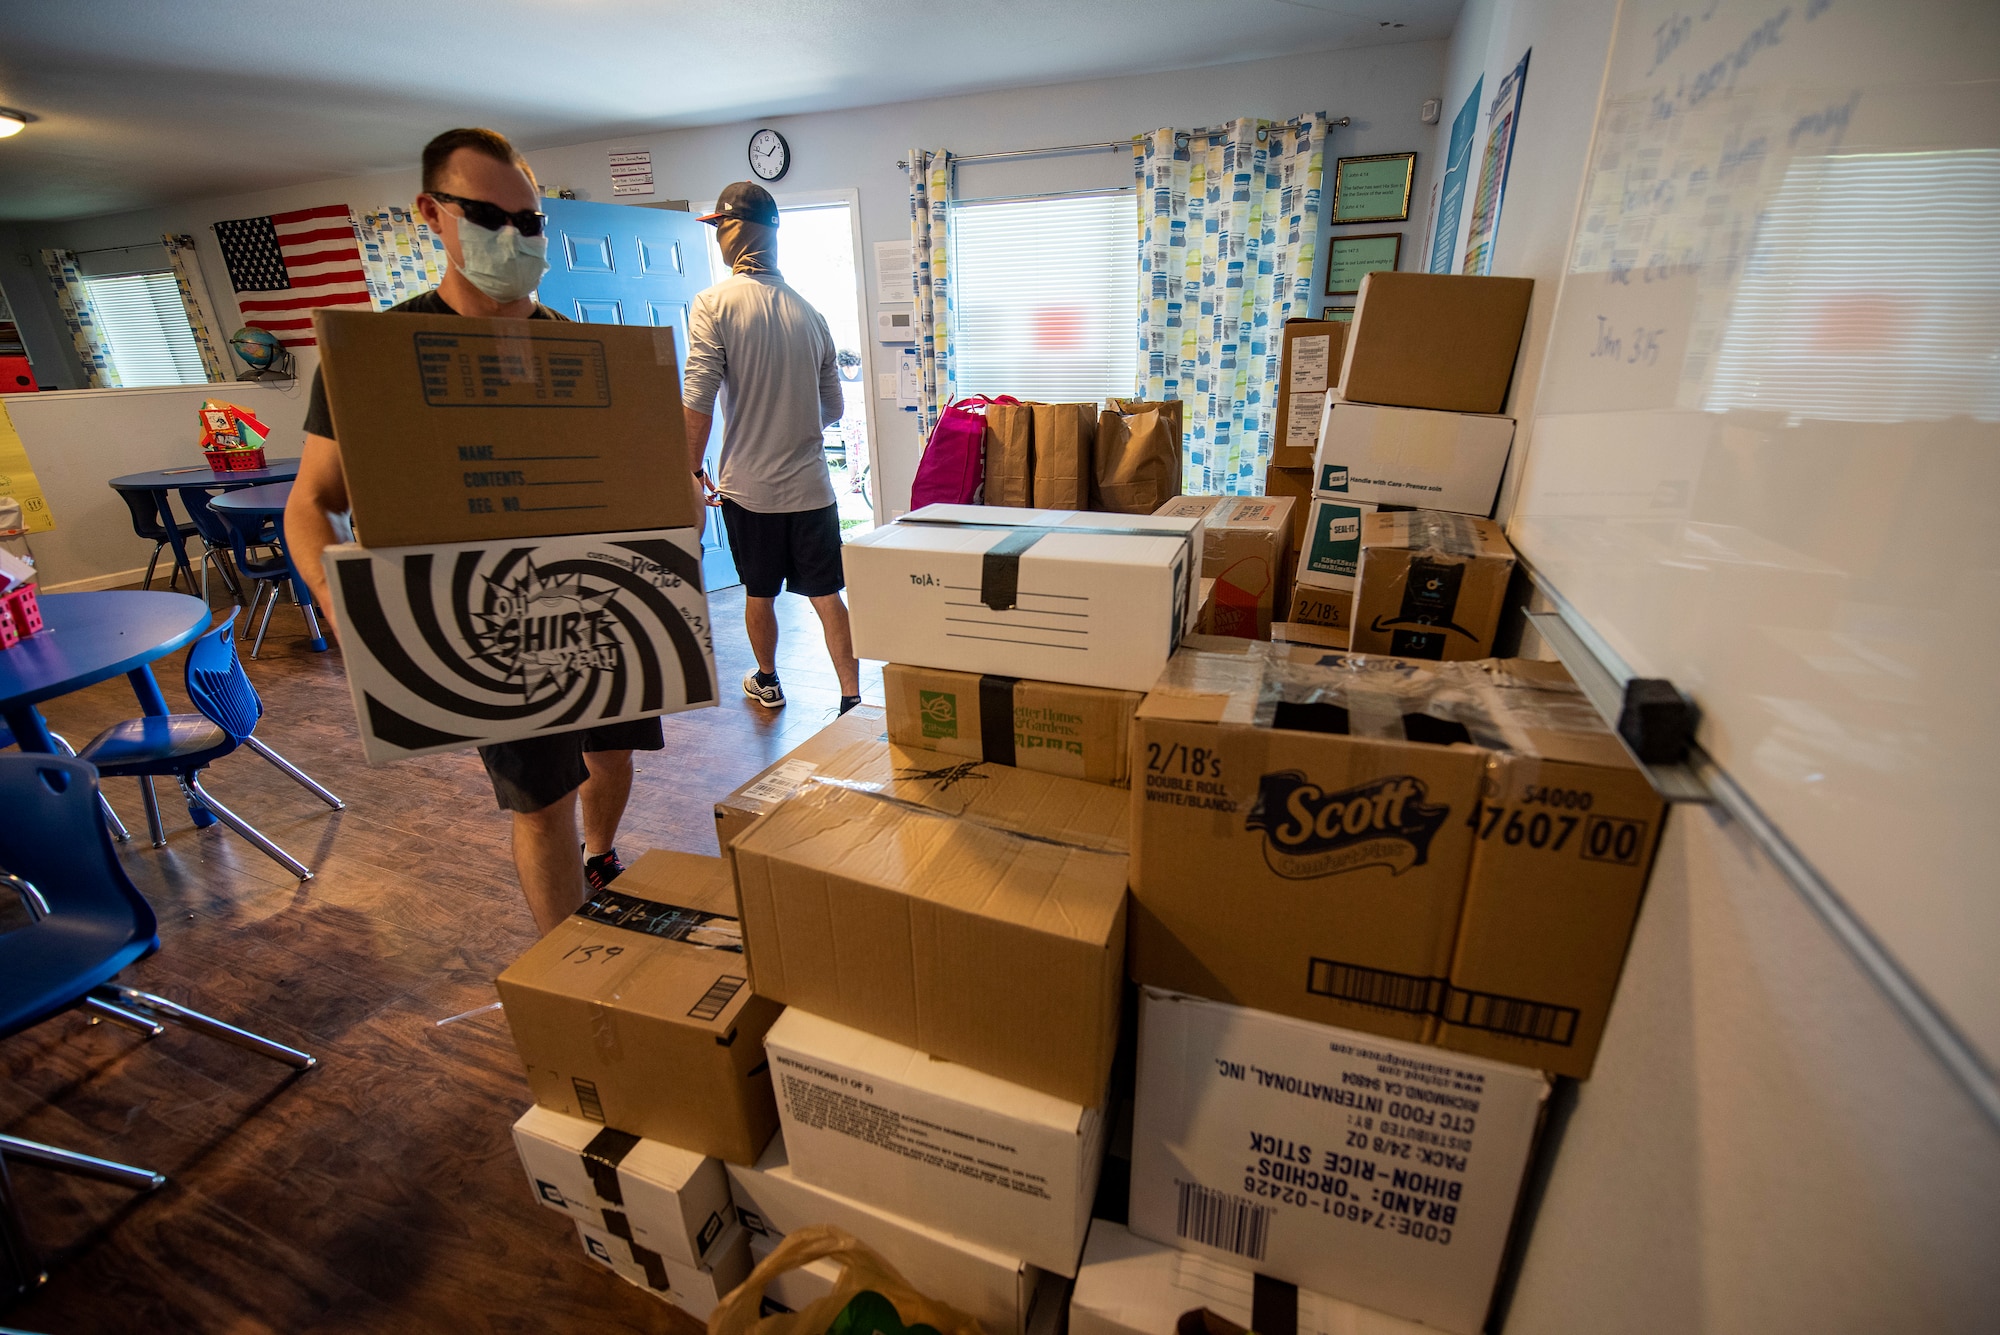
136 245
1103 147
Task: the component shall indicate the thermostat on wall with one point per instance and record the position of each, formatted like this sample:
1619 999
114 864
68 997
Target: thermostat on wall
895 327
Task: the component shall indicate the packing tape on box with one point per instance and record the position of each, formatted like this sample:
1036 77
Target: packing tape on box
996 718
601 1157
1000 567
1437 531
945 777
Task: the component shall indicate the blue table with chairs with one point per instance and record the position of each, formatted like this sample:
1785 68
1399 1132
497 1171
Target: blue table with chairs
256 515
146 495
91 637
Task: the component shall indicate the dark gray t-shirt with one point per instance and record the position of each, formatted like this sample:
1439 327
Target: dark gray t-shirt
319 421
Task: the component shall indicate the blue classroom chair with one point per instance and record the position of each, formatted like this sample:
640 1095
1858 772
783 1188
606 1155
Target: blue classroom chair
87 923
182 745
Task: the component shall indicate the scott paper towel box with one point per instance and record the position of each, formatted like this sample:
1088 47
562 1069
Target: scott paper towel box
1054 595
1379 1172
460 644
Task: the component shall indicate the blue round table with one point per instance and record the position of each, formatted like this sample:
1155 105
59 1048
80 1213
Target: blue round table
161 483
267 502
87 638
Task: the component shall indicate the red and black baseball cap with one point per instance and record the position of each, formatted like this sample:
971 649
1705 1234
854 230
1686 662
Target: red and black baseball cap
746 201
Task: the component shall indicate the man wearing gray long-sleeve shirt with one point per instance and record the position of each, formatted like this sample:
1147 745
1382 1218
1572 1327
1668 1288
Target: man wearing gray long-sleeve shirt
768 354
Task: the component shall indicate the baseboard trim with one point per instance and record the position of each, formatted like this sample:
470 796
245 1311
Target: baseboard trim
117 579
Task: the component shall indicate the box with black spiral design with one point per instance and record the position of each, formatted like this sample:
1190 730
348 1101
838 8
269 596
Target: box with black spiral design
454 645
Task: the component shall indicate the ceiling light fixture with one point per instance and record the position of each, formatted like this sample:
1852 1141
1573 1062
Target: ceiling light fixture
12 122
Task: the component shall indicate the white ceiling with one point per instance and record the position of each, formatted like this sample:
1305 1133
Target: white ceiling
140 102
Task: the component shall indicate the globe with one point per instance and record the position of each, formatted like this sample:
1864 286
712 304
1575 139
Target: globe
256 347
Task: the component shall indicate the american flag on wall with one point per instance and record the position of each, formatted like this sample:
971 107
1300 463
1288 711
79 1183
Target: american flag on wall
287 265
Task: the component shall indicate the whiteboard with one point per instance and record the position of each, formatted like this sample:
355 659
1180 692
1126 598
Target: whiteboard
1765 460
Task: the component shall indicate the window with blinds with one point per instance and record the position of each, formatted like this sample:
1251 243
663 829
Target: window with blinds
1046 297
147 328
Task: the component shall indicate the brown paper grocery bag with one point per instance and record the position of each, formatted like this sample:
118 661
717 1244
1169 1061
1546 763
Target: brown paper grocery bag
1010 454
1137 468
1064 434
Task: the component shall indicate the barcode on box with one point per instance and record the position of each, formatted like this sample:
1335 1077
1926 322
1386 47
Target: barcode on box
1217 1219
780 783
714 1001
1512 1015
1414 993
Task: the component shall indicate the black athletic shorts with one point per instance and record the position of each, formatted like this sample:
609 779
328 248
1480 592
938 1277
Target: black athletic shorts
793 549
535 772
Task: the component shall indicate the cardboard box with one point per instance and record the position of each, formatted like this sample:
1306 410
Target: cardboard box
1078 732
1344 857
993 1286
1301 634
1431 585
882 911
1442 341
1130 1285
1379 1172
1567 833
457 645
1053 595
669 1200
936 1142
1295 484
1309 362
1408 456
1559 838
740 809
471 430
1245 548
694 1289
636 1012
1323 594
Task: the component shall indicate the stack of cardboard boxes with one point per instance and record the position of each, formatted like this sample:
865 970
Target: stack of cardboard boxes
1115 971
1410 418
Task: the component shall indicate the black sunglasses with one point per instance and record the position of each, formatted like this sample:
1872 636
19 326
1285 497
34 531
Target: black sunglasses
528 222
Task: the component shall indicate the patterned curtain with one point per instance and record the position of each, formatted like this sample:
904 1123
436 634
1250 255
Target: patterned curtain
92 348
399 254
1228 222
194 296
930 262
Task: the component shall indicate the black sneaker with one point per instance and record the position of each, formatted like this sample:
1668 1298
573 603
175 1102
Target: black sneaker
600 871
771 695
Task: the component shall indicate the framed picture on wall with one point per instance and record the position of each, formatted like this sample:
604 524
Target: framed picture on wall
1349 257
1338 314
1373 189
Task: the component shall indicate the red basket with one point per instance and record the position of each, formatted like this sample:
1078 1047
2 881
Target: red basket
20 616
234 461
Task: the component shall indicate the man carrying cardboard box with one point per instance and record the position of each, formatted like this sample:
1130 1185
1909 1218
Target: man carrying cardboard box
756 336
479 198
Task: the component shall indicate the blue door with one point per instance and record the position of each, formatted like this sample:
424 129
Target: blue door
623 264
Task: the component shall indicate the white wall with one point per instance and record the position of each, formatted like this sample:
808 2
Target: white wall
1381 88
80 439
1764 1146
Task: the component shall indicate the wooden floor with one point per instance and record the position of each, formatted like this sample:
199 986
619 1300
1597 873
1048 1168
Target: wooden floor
379 1192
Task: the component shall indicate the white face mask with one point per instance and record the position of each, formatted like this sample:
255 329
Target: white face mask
505 265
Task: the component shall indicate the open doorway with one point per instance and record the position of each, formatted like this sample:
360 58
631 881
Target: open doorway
818 256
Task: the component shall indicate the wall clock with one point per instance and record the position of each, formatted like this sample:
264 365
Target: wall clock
770 155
